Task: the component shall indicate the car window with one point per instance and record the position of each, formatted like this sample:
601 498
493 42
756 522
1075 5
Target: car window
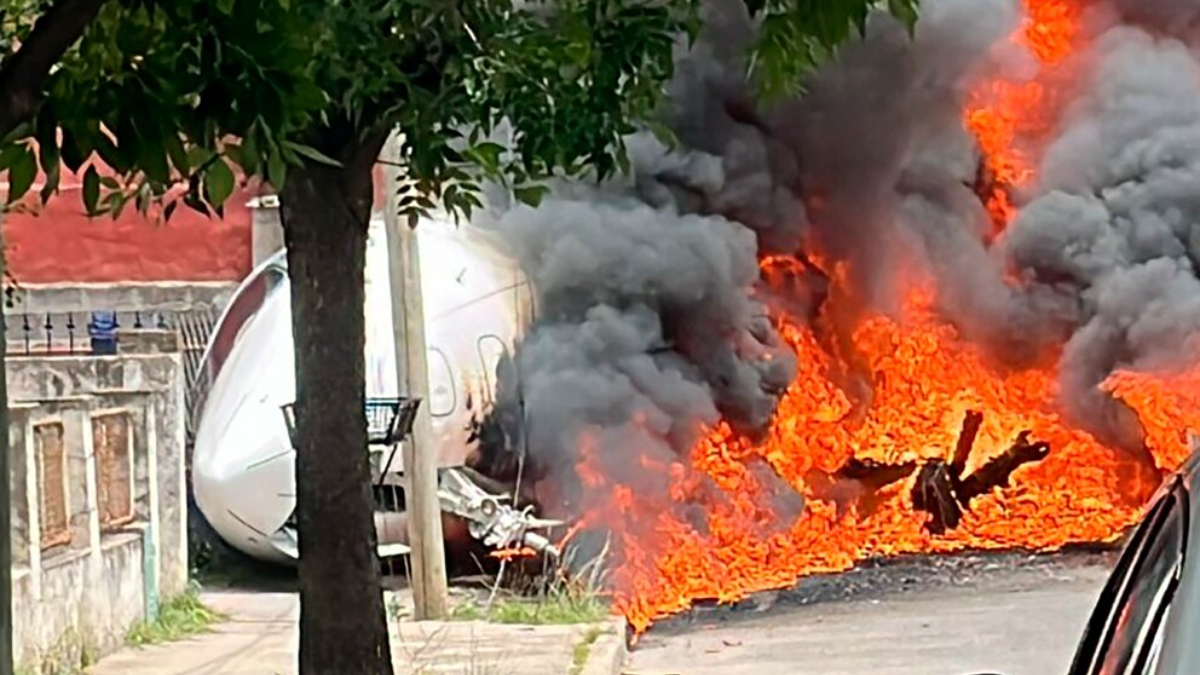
1139 613
1129 613
1160 634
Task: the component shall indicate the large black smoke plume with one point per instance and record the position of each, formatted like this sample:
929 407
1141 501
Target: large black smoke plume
652 321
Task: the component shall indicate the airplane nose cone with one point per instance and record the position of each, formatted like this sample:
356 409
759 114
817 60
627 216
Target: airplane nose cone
243 463
248 467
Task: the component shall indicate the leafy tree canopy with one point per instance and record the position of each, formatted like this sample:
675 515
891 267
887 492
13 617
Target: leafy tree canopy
170 92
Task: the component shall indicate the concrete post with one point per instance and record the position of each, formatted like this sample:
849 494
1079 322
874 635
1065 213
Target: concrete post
420 455
266 228
153 540
95 570
6 586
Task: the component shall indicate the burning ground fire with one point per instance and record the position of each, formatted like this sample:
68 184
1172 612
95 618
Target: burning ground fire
926 381
884 474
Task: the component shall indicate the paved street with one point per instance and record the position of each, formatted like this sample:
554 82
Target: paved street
1012 615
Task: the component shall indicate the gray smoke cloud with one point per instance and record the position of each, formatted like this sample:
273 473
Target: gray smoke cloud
650 326
647 329
1116 217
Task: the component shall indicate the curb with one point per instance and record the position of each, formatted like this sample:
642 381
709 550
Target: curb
609 651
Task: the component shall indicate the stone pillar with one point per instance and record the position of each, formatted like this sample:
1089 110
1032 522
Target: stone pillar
92 614
27 595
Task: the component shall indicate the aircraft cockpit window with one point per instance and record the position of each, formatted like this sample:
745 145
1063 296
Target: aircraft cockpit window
241 309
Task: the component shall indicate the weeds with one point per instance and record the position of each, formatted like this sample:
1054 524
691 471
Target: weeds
579 657
558 607
562 593
180 617
71 654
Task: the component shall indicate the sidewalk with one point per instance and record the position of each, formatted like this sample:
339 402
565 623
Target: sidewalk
261 638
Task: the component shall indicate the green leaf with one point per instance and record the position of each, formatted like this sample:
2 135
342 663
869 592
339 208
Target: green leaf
906 12
21 174
53 175
72 152
91 190
143 200
197 156
311 154
119 201
623 161
486 155
10 155
531 194
153 161
225 6
276 170
178 155
218 182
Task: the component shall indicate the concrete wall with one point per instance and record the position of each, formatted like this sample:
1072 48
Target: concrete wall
164 296
76 601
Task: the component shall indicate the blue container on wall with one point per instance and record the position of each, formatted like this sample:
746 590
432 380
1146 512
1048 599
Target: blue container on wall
102 328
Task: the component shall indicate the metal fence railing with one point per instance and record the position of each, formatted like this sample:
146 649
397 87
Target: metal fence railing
67 334
194 329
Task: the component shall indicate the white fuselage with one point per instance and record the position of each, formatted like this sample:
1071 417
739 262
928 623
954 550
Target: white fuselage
476 304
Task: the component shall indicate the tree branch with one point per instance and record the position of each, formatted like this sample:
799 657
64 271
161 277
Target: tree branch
23 75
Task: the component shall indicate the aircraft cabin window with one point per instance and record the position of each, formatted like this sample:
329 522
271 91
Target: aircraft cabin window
492 351
443 397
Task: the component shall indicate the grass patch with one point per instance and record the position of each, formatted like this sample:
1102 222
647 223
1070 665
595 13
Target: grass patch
579 657
180 617
557 607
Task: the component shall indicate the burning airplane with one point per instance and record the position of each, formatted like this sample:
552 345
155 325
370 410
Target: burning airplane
243 462
947 299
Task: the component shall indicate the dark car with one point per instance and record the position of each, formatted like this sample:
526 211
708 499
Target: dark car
1147 618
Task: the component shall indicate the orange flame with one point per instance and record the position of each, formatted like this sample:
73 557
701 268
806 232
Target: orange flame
1006 116
513 553
925 379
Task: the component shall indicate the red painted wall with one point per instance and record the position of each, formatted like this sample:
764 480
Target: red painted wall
60 243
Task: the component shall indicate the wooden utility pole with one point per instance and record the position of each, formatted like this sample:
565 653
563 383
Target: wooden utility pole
6 595
412 374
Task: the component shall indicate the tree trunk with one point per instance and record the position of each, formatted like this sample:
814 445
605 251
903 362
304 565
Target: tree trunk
325 211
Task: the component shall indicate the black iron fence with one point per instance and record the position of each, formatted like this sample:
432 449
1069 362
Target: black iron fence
73 332
100 332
